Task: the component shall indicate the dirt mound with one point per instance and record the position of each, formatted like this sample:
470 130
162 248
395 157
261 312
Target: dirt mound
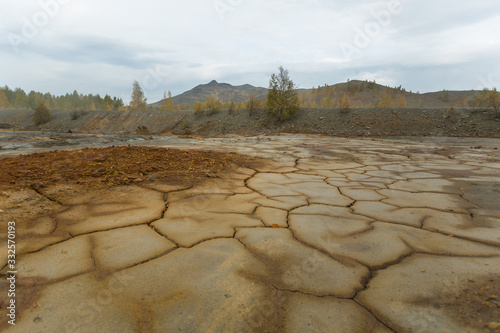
115 166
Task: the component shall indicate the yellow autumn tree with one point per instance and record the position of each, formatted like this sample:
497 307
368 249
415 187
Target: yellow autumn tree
138 101
213 104
4 102
167 104
345 103
327 102
252 103
494 99
198 108
401 101
385 101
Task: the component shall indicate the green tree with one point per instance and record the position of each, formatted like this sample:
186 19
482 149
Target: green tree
118 104
138 102
4 102
282 99
21 99
42 114
108 103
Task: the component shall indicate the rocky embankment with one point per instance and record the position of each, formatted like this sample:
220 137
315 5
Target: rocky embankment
459 122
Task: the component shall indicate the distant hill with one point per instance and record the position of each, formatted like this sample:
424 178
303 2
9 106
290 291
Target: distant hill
223 91
367 94
361 94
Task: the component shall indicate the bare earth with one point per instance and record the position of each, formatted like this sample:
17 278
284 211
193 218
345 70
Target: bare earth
298 233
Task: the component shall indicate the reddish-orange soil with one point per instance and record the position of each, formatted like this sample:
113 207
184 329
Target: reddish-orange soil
115 166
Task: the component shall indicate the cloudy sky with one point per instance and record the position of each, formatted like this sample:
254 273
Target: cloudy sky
102 46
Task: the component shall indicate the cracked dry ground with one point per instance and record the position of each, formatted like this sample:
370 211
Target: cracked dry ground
329 235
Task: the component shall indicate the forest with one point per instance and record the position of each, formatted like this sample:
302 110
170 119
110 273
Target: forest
20 100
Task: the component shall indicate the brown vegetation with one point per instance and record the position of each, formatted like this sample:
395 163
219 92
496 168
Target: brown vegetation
487 98
42 114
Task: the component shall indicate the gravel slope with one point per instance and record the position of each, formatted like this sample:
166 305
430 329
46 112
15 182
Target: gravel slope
460 122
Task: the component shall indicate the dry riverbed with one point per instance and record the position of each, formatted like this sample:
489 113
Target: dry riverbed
295 233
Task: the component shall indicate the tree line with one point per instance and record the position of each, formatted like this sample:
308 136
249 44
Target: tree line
282 101
20 100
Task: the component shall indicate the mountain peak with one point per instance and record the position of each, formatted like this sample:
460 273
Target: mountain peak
223 91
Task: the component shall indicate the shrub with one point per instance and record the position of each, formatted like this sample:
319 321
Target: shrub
232 107
252 103
213 104
487 98
185 126
345 103
494 99
42 114
198 108
75 115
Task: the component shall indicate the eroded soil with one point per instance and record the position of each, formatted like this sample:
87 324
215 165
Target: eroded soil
328 235
114 166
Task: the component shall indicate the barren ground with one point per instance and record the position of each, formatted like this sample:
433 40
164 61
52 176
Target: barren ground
296 233
115 166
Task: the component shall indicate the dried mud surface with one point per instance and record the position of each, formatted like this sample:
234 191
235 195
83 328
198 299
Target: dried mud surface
297 234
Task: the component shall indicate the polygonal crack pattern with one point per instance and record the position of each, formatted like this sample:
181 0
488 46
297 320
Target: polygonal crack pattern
331 235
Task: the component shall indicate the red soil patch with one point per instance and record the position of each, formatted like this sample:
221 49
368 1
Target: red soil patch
115 166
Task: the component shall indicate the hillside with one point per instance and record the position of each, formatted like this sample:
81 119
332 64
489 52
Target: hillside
374 122
366 94
223 91
362 94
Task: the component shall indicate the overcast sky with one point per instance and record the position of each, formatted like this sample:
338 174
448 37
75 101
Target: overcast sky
102 46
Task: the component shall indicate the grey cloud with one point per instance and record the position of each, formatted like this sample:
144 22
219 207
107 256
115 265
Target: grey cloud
92 49
423 48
